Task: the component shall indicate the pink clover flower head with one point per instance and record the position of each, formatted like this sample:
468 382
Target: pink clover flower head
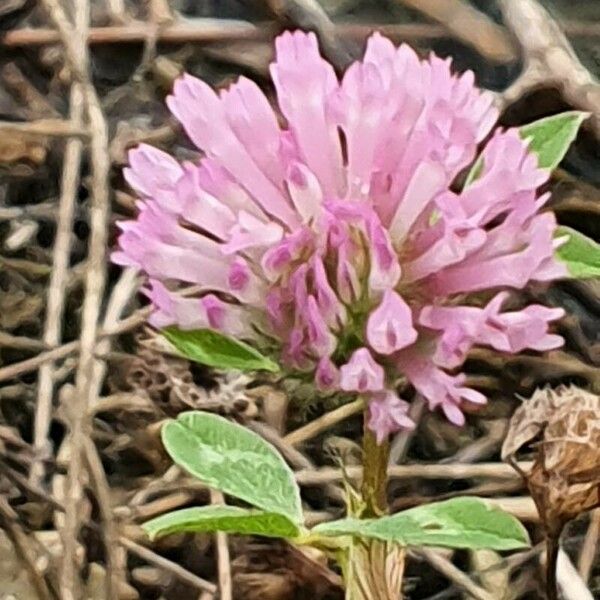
337 231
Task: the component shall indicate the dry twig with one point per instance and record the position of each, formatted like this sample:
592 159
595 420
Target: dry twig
323 423
117 11
470 26
46 127
589 547
419 471
31 364
549 59
115 561
454 574
141 551
36 104
166 564
10 523
400 443
569 581
192 30
295 457
223 561
74 39
310 15
57 285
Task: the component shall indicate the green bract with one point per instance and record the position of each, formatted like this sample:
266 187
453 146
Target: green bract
580 254
214 349
549 139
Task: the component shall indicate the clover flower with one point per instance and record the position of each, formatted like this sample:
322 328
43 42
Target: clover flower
336 228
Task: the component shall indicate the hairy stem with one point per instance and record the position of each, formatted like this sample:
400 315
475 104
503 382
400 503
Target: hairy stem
375 569
374 485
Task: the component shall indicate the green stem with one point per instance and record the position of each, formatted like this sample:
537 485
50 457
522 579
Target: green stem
375 569
375 479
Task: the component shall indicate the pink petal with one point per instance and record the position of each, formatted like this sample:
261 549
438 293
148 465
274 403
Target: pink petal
154 223
275 308
465 326
428 181
321 340
254 123
376 111
282 255
388 414
251 232
240 276
164 261
327 375
157 244
531 247
459 114
298 289
461 328
329 304
151 172
305 84
305 191
294 350
453 413
347 279
508 179
230 319
385 268
204 119
438 388
452 247
527 329
551 269
219 183
361 373
197 313
169 311
457 339
390 327
200 208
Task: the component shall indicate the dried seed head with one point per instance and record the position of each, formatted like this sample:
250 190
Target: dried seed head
563 428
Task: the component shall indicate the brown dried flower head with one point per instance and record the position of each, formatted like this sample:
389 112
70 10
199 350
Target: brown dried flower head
562 427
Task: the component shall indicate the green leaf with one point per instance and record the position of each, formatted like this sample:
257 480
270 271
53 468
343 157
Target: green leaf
214 349
458 523
551 137
580 254
235 460
230 519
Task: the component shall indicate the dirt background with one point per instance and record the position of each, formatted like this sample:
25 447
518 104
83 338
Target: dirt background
81 464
